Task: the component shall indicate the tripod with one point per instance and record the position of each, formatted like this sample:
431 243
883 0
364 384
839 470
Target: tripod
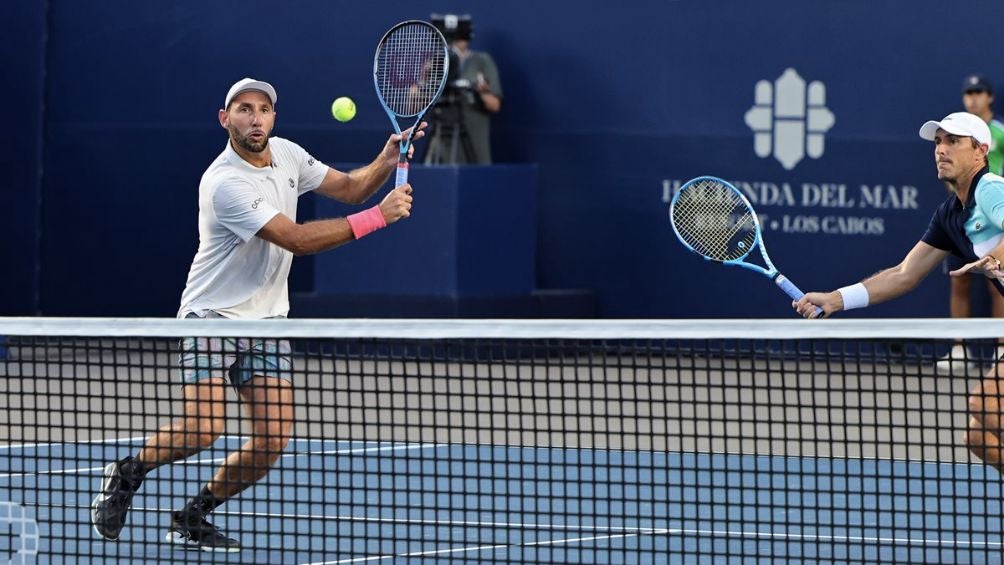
449 134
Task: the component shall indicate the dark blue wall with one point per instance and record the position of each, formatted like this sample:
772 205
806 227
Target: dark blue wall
457 240
613 102
22 68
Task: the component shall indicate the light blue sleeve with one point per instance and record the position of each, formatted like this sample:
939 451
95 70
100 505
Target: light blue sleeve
990 199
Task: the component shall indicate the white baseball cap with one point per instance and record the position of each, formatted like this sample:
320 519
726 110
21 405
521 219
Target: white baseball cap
959 123
246 84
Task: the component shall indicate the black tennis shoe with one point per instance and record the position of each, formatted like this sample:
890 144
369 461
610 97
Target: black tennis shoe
109 508
194 531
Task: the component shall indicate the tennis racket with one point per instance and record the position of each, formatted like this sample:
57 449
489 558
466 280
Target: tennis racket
713 219
409 71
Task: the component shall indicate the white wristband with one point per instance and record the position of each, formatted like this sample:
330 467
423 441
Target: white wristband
854 296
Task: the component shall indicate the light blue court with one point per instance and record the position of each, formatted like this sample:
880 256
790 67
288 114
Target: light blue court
337 502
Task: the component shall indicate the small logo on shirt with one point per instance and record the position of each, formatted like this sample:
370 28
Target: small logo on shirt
291 184
254 205
310 162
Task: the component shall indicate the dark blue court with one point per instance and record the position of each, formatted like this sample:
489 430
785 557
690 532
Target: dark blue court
339 502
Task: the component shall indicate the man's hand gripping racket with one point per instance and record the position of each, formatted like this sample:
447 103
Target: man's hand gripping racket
409 71
713 219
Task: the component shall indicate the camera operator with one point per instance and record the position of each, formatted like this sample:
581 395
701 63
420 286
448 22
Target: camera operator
473 92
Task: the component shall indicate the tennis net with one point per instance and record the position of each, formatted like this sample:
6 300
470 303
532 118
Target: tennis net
513 441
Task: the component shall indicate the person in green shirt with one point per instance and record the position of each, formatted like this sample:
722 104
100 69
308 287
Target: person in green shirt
978 98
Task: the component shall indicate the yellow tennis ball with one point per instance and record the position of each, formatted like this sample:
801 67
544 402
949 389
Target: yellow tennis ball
343 109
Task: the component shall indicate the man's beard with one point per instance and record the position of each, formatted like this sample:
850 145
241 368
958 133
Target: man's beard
245 141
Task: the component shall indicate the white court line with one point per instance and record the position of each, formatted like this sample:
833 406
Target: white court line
406 521
392 447
475 548
682 532
621 530
426 522
51 444
145 438
889 460
621 533
819 538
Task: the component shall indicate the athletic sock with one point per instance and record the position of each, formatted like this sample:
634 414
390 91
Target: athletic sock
132 472
203 503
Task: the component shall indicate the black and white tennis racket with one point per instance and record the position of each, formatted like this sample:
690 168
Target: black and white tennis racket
410 68
713 219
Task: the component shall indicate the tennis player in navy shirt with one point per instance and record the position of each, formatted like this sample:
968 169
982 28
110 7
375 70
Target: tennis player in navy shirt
970 225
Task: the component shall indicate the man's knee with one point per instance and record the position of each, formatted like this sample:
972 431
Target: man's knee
973 440
976 406
272 442
984 399
202 432
961 286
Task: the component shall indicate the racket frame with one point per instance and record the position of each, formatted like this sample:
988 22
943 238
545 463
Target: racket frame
405 143
770 271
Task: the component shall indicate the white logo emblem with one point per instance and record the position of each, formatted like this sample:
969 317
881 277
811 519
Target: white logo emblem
788 119
23 542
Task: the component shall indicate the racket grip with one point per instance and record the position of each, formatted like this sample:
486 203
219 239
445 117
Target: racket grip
793 291
402 173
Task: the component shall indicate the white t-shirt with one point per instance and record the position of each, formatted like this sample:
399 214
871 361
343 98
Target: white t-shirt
234 272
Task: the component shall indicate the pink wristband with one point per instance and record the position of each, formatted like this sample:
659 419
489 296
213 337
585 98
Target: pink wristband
367 221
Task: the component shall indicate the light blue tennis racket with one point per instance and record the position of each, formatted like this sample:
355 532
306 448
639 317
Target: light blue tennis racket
713 219
410 68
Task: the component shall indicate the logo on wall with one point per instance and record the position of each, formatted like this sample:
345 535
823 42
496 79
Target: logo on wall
789 119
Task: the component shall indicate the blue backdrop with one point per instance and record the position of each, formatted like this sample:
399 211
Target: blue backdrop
114 107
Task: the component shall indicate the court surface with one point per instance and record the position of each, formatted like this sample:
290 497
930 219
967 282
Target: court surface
340 502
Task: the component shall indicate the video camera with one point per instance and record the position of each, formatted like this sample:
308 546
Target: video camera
458 90
454 27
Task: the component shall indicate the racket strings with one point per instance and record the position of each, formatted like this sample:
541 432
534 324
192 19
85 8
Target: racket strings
411 68
715 221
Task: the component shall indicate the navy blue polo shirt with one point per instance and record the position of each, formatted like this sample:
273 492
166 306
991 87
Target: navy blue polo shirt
970 231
